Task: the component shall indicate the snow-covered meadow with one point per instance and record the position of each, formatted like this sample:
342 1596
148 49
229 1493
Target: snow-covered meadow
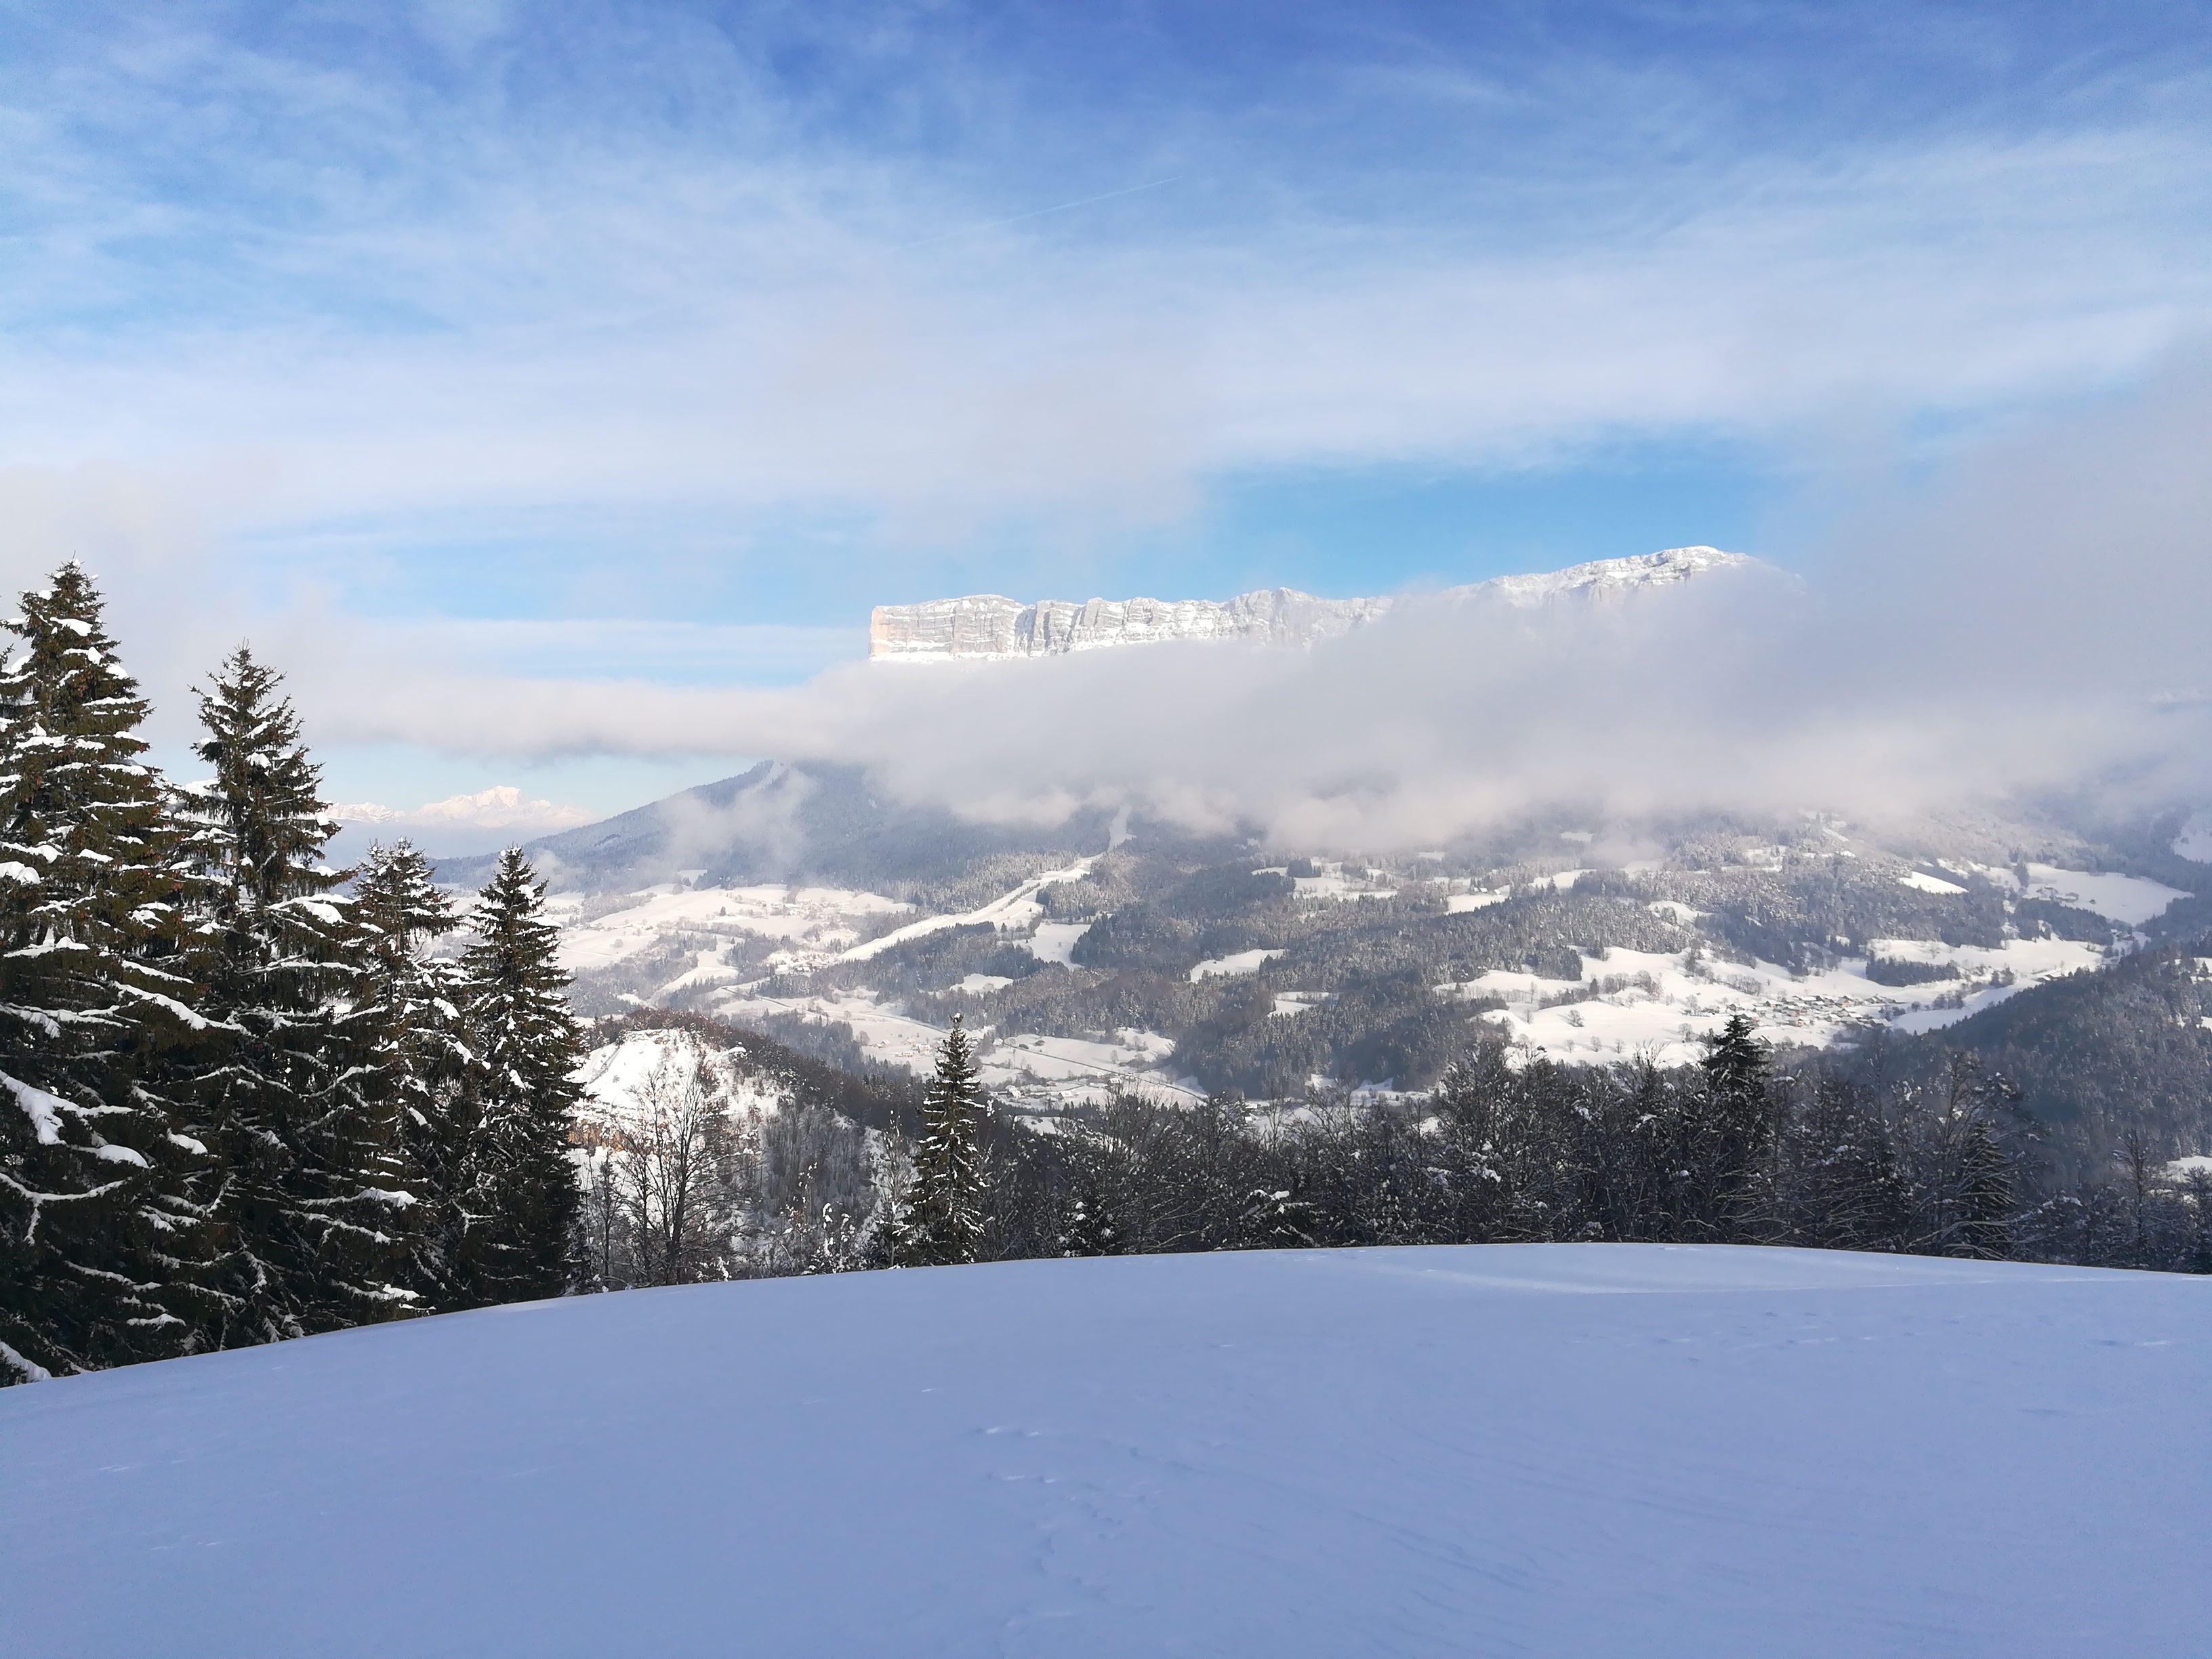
626 1079
814 924
1631 1004
1588 1450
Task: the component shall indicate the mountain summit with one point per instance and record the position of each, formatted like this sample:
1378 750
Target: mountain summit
991 627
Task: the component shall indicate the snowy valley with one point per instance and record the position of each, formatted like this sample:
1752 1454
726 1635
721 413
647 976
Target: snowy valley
1110 951
1117 969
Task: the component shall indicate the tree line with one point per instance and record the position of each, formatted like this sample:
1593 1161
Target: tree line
243 1104
1729 1151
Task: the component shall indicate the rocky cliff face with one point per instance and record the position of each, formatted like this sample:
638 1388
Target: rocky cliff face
989 626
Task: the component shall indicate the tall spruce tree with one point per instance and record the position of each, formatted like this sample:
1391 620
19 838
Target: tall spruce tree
101 1247
310 1198
943 1221
522 1235
406 1031
1729 1130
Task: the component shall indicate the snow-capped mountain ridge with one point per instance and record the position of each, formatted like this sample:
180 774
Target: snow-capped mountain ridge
991 627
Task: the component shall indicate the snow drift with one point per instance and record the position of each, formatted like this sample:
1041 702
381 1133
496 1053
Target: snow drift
1483 1450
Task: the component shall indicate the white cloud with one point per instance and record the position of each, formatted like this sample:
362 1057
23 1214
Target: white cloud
628 648
1109 384
449 310
2025 623
2018 629
438 301
503 807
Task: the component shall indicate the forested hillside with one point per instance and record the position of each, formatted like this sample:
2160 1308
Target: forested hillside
2117 1062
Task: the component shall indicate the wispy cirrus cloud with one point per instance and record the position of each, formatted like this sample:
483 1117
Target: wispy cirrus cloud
621 256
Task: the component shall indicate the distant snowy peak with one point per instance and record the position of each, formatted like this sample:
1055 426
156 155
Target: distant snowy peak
990 626
1604 580
987 625
364 811
503 806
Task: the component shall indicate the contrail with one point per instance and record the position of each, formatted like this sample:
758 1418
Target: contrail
993 224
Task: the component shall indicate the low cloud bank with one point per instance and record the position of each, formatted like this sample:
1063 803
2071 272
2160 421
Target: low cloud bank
2037 621
489 818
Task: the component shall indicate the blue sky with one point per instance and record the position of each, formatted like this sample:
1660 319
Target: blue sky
651 344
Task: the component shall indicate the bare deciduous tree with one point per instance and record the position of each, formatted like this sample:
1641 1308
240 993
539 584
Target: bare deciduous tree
670 1180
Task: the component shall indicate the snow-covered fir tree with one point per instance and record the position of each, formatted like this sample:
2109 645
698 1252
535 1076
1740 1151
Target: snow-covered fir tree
943 1221
1727 1131
1964 1196
407 1031
522 1240
1097 1188
1841 1185
100 1248
1091 1229
309 1195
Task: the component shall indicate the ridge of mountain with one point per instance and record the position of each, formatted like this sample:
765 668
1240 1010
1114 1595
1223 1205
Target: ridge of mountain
782 823
990 626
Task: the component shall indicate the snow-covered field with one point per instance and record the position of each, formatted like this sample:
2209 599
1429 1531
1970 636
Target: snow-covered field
1241 961
647 1071
817 923
1551 1449
1647 1004
1482 900
2195 840
1014 909
1334 880
1051 1073
2128 900
1031 1072
1055 941
886 1037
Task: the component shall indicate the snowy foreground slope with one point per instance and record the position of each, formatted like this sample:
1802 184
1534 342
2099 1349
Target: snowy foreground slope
1555 1450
